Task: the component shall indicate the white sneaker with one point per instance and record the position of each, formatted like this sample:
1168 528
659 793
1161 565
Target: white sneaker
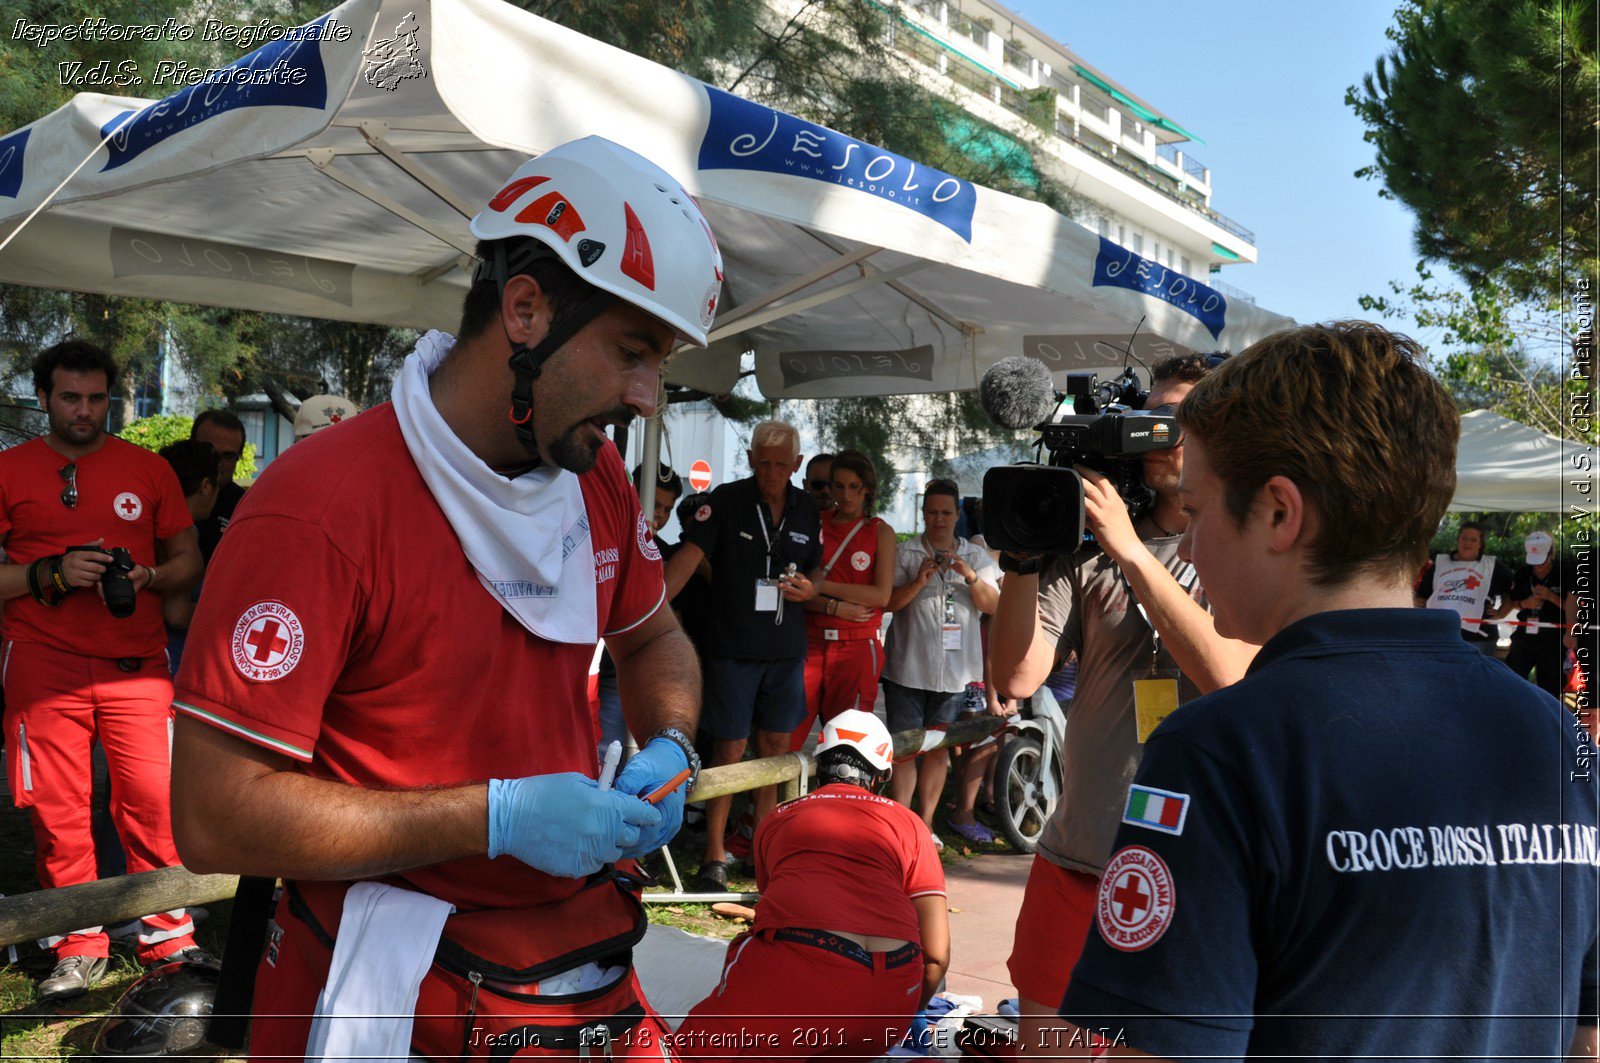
938 842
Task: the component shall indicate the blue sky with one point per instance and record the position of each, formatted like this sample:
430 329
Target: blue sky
1263 82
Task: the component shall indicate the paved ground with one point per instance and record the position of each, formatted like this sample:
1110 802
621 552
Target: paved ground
985 894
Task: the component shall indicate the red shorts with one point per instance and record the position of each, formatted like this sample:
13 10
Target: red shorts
839 675
789 1001
1057 913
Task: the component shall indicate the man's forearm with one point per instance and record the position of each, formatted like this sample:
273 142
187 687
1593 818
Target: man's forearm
268 819
13 581
176 574
1019 656
660 685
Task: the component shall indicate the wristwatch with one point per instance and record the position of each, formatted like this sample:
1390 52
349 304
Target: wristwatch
1027 566
685 743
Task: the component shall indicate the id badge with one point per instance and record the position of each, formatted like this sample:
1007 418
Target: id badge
766 596
1155 696
952 636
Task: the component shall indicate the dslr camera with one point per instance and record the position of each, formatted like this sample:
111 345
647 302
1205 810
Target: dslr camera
1037 508
116 583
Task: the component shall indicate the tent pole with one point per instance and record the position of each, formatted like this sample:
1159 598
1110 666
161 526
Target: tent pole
649 461
838 291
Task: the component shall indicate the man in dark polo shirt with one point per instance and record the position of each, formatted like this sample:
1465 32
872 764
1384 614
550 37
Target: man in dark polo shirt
755 532
225 432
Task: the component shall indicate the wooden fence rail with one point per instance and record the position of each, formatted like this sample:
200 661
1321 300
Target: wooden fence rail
45 913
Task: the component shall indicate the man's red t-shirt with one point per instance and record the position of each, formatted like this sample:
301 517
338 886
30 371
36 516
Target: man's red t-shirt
841 858
343 626
127 496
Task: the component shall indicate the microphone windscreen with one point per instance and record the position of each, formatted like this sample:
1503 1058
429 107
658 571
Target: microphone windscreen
1017 392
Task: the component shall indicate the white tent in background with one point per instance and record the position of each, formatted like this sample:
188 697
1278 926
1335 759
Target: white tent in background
332 174
1505 466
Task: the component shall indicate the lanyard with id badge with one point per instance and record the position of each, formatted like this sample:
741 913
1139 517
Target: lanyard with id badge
769 598
951 628
1155 689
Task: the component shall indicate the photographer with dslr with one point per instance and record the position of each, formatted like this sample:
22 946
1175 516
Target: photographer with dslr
83 519
1133 613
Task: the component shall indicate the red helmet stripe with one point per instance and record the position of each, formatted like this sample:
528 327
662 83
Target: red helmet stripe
513 191
556 212
637 262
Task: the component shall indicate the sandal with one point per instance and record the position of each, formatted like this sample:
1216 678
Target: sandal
974 832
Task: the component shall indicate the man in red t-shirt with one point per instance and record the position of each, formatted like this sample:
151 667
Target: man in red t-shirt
386 677
73 671
852 935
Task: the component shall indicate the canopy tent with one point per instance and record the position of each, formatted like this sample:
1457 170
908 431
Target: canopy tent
332 173
1506 466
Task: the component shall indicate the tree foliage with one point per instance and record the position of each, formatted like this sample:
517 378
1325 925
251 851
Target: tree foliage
226 353
162 429
1484 120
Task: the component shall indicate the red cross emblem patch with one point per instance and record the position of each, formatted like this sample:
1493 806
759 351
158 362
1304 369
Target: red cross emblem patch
128 506
267 642
1136 899
647 540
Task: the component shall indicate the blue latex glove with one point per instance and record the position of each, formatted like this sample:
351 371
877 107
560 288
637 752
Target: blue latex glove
565 825
650 769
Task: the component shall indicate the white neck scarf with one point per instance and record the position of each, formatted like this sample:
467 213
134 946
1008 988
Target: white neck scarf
527 537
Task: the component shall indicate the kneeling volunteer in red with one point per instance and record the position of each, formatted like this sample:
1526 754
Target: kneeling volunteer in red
851 936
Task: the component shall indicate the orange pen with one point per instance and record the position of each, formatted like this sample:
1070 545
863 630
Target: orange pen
669 786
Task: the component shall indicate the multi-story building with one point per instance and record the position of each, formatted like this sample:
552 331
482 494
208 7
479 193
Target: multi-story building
1129 161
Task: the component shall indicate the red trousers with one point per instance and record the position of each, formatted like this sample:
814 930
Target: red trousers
781 1000
56 705
839 676
295 966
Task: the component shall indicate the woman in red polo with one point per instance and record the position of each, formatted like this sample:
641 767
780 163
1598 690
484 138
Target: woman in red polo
844 656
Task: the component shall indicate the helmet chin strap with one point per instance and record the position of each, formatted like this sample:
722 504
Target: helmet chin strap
528 362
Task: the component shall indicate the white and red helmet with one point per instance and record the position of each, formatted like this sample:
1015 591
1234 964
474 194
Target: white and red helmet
862 732
621 223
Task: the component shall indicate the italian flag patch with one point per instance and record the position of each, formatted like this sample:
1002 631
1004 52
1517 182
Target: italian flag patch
1159 810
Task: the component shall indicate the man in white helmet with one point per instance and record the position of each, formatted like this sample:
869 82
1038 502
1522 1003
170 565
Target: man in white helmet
852 935
406 703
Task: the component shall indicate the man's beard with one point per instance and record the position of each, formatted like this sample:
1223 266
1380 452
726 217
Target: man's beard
76 434
571 450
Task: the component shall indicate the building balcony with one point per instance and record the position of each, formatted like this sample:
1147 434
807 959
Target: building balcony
1081 118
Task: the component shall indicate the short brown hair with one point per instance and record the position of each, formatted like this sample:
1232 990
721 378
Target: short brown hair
858 463
1349 412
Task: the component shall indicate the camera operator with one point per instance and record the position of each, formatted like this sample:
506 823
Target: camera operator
74 669
1132 612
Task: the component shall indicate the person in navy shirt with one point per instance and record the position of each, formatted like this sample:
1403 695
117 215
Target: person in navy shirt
1379 843
763 538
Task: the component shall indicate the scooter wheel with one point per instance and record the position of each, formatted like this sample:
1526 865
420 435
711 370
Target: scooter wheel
1024 798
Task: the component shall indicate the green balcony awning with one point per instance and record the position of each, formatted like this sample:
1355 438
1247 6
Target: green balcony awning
1218 249
1144 113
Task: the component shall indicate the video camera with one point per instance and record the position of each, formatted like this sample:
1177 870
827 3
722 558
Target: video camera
1037 508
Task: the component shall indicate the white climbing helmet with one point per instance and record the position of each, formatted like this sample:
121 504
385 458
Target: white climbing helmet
621 223
862 732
